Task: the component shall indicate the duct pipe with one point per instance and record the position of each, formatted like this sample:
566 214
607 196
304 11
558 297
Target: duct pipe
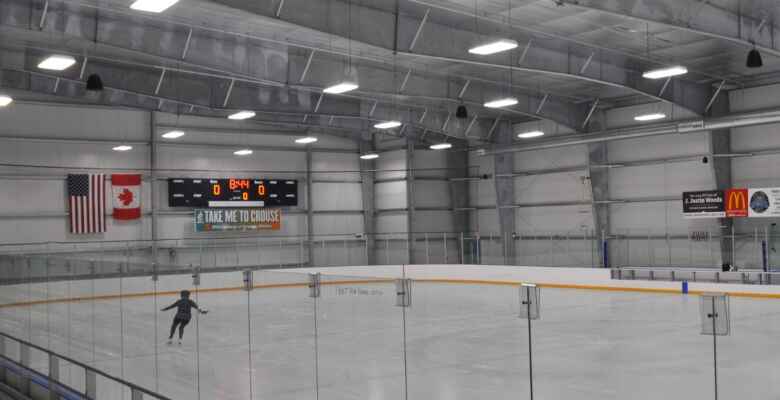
689 126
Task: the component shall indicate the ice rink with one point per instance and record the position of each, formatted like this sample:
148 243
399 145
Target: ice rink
460 339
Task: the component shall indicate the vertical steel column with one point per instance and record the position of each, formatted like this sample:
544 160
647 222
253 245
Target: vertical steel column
505 186
153 184
309 205
410 213
367 176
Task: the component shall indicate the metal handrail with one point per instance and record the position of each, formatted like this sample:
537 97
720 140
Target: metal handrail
90 387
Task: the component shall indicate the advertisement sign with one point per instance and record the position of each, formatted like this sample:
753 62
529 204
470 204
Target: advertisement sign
703 204
242 219
737 203
764 202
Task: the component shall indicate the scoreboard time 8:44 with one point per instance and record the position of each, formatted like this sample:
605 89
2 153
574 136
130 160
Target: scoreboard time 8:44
232 192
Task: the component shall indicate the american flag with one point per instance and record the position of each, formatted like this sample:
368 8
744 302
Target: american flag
87 198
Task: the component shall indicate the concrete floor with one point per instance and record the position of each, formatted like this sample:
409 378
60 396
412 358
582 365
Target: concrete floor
463 341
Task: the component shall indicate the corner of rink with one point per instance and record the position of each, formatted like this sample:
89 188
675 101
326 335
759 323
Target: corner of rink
553 277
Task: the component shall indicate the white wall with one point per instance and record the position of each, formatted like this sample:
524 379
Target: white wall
41 143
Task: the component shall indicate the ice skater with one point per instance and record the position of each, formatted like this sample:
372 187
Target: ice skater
183 314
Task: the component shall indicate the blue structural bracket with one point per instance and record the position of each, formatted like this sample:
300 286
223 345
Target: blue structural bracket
685 287
39 379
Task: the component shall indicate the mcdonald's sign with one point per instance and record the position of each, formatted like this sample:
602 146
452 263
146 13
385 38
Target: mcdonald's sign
736 203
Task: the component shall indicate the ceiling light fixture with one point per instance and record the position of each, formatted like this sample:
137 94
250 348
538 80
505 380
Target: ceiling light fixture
306 140
754 59
243 152
5 100
441 146
155 6
649 117
123 147
57 62
242 115
369 156
173 134
494 47
388 125
499 103
665 72
531 134
342 87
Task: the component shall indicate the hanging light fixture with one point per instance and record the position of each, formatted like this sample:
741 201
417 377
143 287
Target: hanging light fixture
754 59
461 112
94 83
369 156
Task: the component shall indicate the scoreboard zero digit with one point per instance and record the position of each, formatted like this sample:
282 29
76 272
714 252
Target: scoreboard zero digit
232 192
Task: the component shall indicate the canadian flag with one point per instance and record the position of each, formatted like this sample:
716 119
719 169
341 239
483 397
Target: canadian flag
126 192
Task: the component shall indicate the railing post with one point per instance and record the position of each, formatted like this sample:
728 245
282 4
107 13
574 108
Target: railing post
427 250
444 237
136 394
54 375
462 250
24 360
90 384
2 353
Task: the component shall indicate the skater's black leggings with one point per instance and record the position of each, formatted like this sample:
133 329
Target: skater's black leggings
181 323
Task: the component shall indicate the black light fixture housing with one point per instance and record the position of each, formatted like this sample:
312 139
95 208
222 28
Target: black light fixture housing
94 83
754 59
461 112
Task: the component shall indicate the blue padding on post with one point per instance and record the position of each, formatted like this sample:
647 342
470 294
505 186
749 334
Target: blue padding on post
606 254
685 287
41 380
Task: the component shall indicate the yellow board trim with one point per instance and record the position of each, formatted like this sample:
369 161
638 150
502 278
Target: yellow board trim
385 280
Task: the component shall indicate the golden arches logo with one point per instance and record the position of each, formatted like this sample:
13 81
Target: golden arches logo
737 200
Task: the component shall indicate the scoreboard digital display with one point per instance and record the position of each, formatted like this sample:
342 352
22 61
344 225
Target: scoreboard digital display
232 192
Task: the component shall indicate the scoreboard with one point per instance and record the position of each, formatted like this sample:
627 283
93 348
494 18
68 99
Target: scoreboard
232 192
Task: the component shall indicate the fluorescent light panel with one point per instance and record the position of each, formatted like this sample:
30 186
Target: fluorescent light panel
498 103
387 125
441 146
5 100
650 117
242 115
243 152
173 134
155 6
494 47
123 147
306 140
665 72
531 134
342 87
57 62
369 156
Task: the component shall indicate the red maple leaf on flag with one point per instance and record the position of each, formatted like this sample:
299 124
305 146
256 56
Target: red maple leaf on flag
126 197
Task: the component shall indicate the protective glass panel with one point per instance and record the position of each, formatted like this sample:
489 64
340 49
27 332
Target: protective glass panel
466 341
359 339
602 344
282 341
177 363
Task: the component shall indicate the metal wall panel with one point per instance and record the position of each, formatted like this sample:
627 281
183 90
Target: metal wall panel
657 147
567 186
390 195
659 180
432 194
337 196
